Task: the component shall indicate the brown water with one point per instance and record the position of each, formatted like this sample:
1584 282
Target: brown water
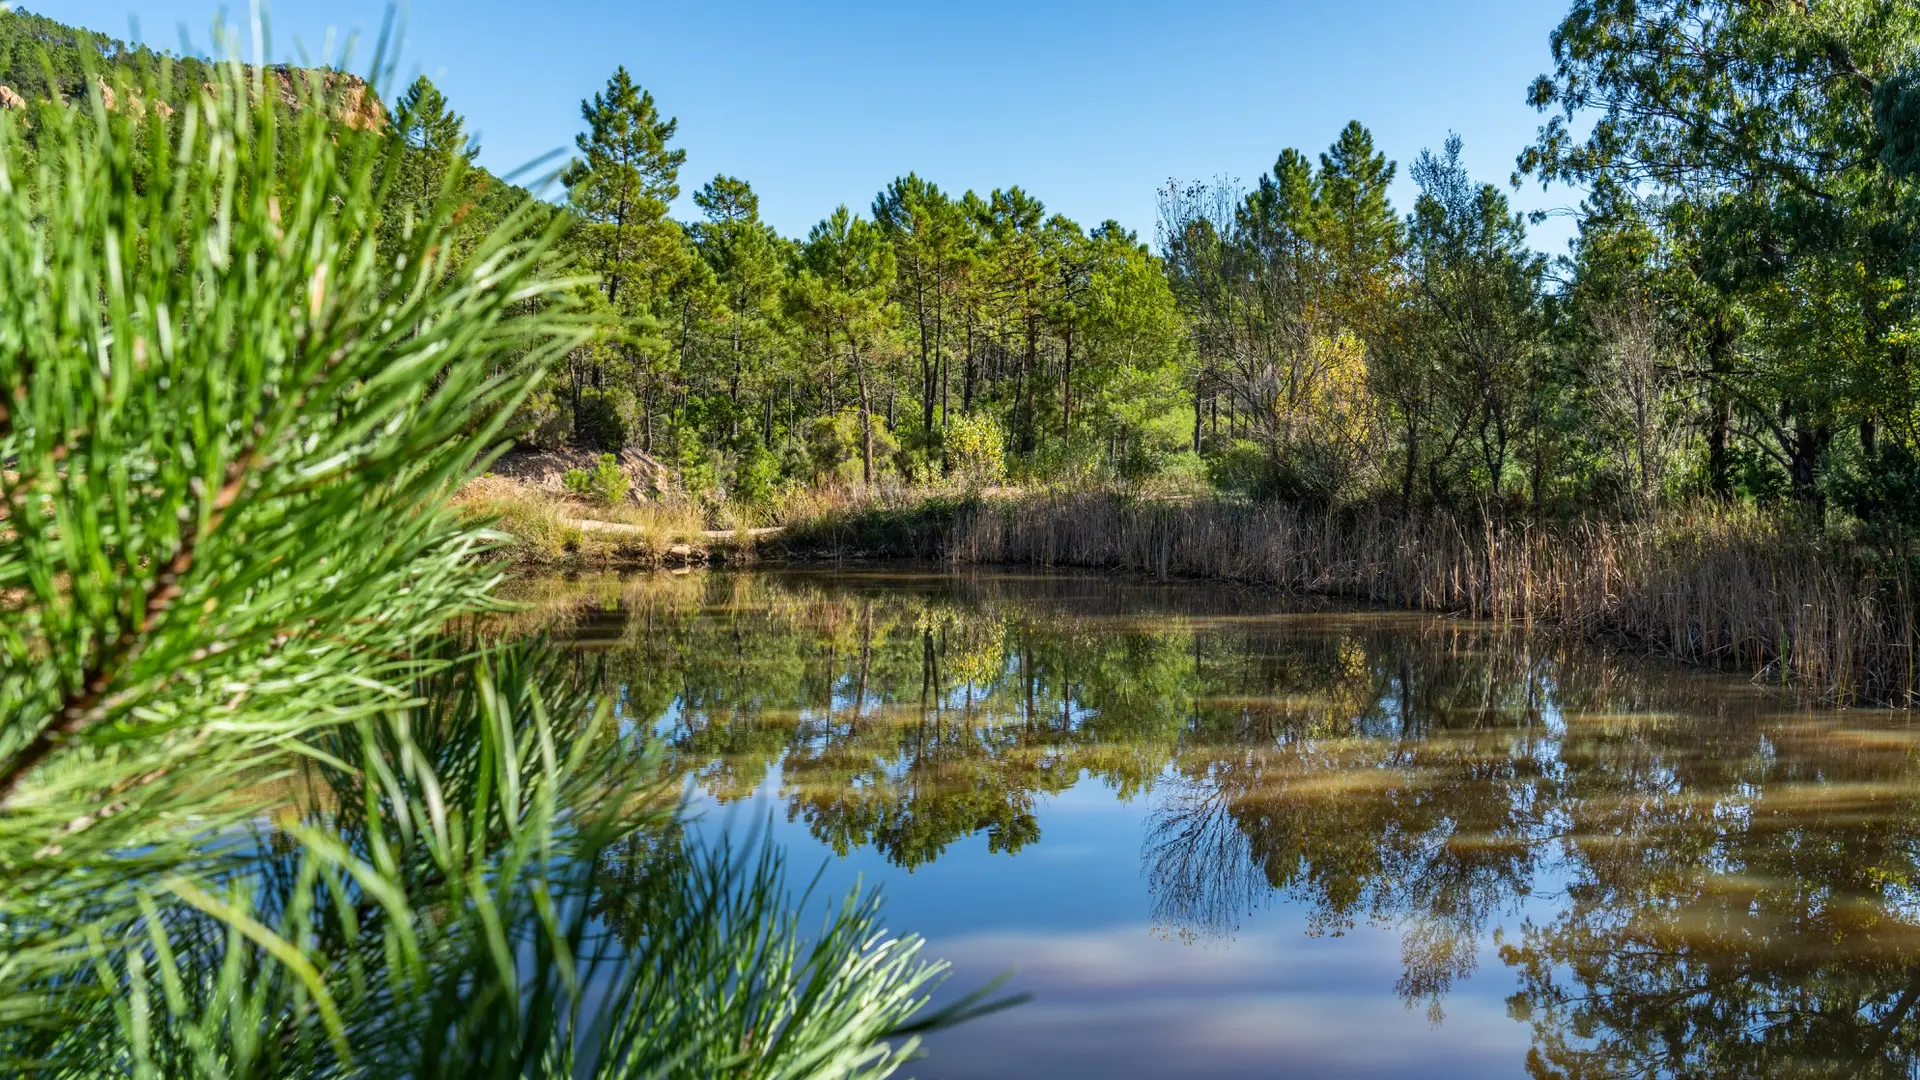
1215 835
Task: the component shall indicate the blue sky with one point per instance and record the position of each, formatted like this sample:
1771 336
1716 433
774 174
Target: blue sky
1089 106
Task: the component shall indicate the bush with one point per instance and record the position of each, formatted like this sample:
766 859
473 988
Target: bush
835 446
1304 473
606 482
543 421
756 476
699 465
976 450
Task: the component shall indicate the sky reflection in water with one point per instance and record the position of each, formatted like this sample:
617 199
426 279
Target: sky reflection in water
1215 836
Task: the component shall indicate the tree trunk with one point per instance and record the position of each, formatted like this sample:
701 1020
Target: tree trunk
1066 390
1809 444
1719 429
966 389
1413 464
866 420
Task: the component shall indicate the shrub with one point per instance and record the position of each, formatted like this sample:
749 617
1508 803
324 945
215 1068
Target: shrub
1303 472
606 482
756 476
609 480
976 449
543 421
836 445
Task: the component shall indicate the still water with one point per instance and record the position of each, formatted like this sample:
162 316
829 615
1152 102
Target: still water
1214 834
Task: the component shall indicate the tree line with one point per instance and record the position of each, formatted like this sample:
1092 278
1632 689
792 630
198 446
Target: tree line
863 350
1732 320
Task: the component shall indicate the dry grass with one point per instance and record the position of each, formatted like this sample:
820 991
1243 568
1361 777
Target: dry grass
544 531
1733 588
1726 586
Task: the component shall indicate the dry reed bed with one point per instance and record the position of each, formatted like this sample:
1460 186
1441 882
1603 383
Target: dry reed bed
1726 587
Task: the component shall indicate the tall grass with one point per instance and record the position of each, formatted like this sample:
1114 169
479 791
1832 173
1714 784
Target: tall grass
544 529
1730 587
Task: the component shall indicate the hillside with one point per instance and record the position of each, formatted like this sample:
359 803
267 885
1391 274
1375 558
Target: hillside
45 60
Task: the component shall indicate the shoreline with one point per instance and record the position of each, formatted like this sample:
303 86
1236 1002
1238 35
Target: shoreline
1727 589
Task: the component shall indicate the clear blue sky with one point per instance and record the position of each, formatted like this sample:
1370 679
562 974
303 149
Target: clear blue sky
1089 106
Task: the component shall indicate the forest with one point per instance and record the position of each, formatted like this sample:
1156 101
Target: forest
1731 323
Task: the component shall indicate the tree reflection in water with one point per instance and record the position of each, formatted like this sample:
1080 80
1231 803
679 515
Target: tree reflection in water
1728 887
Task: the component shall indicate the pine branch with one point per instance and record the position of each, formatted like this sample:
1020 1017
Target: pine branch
83 708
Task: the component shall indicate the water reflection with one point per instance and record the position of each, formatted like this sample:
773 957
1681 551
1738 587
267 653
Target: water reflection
1682 877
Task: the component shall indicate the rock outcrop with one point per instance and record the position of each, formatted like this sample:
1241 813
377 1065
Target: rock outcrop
354 103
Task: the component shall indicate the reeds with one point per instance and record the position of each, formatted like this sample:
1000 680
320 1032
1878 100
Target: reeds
1730 587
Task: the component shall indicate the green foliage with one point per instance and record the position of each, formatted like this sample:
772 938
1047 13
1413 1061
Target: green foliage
756 477
610 482
623 181
178 449
699 472
1735 317
837 446
259 815
41 59
1777 141
976 449
606 482
437 151
544 420
600 420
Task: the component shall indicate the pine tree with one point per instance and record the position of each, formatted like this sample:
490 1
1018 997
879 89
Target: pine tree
747 260
928 233
1481 283
1357 228
624 179
435 136
846 270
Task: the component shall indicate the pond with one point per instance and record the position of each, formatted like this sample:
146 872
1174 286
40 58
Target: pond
1214 833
